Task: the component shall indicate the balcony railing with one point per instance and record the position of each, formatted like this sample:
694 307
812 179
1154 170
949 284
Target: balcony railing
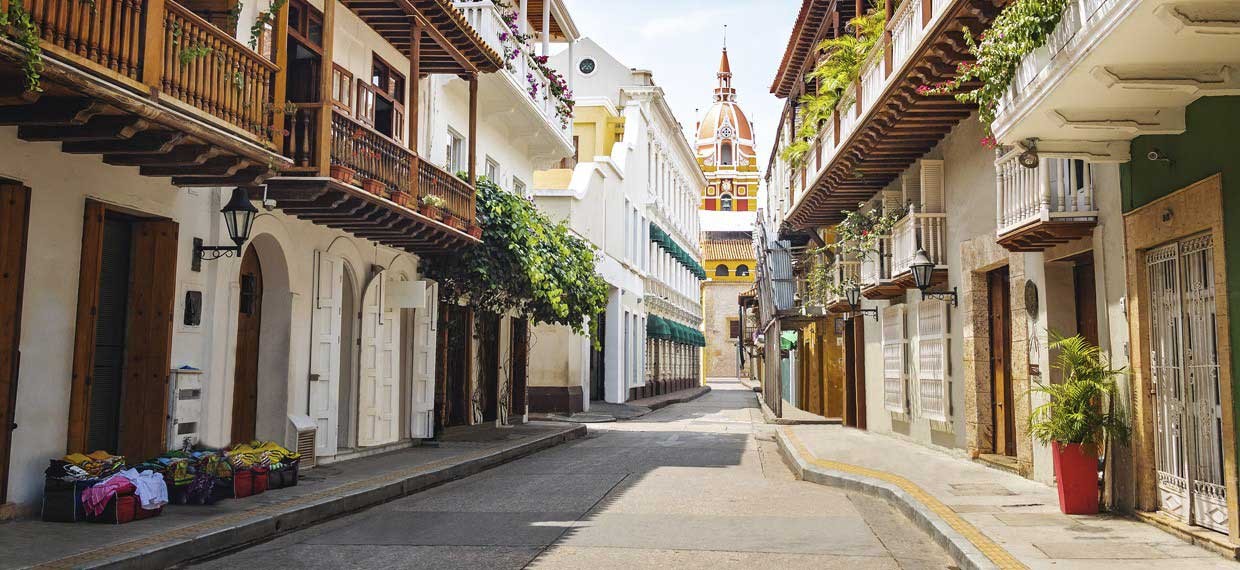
844 274
1059 189
485 17
918 231
159 44
908 27
876 265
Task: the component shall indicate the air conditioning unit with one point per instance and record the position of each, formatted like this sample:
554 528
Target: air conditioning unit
306 432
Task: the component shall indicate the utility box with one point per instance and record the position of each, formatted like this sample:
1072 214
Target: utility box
184 407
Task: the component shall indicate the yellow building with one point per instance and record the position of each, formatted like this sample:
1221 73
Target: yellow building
725 150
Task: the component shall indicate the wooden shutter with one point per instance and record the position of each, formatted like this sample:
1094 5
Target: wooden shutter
14 223
148 342
932 327
84 339
894 394
378 390
325 350
932 186
425 337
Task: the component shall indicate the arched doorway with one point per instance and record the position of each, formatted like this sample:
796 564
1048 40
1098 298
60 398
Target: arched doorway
249 328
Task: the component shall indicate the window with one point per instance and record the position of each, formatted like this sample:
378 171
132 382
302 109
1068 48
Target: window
456 152
725 154
305 23
894 395
518 187
342 88
492 170
742 270
932 359
725 202
734 328
587 66
388 87
721 270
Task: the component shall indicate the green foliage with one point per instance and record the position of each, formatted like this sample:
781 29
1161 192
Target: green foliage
261 21
860 231
17 23
1077 411
525 263
1022 26
193 51
834 73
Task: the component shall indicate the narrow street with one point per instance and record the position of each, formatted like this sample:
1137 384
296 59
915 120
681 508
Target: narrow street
694 485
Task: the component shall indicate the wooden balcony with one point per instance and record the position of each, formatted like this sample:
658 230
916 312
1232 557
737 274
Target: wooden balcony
382 200
146 83
843 274
1038 208
916 231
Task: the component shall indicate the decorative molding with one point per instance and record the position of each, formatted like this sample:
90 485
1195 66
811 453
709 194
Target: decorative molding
1127 121
1190 79
1205 18
1091 151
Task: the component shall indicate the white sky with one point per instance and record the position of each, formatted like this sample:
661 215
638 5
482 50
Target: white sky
679 40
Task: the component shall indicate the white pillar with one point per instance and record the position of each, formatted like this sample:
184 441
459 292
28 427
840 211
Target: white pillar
546 28
525 16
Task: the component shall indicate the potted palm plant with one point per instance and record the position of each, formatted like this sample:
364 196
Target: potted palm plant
1077 418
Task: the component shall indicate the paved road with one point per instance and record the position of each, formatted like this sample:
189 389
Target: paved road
694 485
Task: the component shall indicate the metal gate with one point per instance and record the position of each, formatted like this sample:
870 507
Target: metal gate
1184 364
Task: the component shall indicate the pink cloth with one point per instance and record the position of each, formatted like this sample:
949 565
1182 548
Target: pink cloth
96 498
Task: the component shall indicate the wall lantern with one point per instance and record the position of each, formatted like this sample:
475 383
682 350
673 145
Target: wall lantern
239 218
1029 158
923 270
853 295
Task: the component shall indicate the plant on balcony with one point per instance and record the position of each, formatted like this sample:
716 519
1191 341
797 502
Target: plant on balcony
1077 417
859 233
18 24
1022 27
376 187
557 87
432 206
818 279
836 71
516 44
343 173
527 264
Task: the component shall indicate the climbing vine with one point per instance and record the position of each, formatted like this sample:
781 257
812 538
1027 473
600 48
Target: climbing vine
517 44
261 21
1022 26
17 23
525 263
859 232
835 72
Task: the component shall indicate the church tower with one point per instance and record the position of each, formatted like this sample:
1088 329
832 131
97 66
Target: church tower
725 150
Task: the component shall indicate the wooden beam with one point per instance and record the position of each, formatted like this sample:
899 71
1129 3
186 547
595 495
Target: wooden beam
119 127
324 149
219 166
147 142
153 45
279 96
52 111
184 155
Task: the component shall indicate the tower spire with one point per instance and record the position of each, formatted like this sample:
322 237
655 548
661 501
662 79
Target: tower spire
724 92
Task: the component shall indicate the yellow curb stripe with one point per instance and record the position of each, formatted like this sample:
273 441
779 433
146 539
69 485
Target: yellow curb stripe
223 521
997 554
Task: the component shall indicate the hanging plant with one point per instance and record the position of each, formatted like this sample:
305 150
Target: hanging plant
859 233
18 24
526 263
261 21
1022 27
836 71
516 44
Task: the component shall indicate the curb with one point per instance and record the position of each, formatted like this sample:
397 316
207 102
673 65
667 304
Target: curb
962 549
253 527
698 393
769 417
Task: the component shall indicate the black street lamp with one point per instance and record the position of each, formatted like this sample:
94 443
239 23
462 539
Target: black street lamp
239 219
853 296
923 271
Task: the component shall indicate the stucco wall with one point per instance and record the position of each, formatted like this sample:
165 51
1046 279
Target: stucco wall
719 305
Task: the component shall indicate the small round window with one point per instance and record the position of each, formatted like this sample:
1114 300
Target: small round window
586 66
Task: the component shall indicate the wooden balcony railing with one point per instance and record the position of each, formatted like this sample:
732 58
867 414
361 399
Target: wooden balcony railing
159 44
207 68
456 193
370 153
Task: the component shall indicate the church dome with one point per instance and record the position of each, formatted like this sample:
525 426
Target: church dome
725 135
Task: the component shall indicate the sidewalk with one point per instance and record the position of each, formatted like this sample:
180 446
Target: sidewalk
605 412
186 532
983 517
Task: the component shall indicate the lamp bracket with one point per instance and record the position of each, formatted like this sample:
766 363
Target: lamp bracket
943 296
863 312
212 252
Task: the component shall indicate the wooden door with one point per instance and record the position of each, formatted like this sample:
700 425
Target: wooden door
488 401
14 223
1086 298
1004 426
859 368
425 339
245 376
379 374
520 364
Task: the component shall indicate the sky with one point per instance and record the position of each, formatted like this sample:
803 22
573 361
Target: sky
679 40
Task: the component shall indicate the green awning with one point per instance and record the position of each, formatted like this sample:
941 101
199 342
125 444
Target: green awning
668 244
788 340
656 327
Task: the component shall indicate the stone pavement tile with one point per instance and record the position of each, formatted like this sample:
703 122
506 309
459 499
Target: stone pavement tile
390 527
603 558
787 499
506 492
1106 550
910 547
344 557
1036 519
968 508
798 535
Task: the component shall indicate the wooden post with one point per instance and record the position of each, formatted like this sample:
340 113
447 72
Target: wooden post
279 46
153 44
415 96
927 12
473 129
860 12
323 150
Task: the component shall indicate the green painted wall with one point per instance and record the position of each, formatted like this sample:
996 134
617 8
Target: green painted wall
1211 144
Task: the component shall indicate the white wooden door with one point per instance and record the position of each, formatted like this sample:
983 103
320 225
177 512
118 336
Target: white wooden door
325 351
425 340
895 397
379 374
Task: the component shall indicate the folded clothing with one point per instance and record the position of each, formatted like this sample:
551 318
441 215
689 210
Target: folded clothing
95 498
97 464
149 487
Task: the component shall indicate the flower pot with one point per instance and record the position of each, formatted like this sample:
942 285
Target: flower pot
459 223
476 232
403 198
374 187
429 211
1076 473
343 173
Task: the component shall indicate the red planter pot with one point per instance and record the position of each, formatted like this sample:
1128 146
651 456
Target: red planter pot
1076 472
374 187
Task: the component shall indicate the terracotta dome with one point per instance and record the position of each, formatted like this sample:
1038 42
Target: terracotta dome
725 122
